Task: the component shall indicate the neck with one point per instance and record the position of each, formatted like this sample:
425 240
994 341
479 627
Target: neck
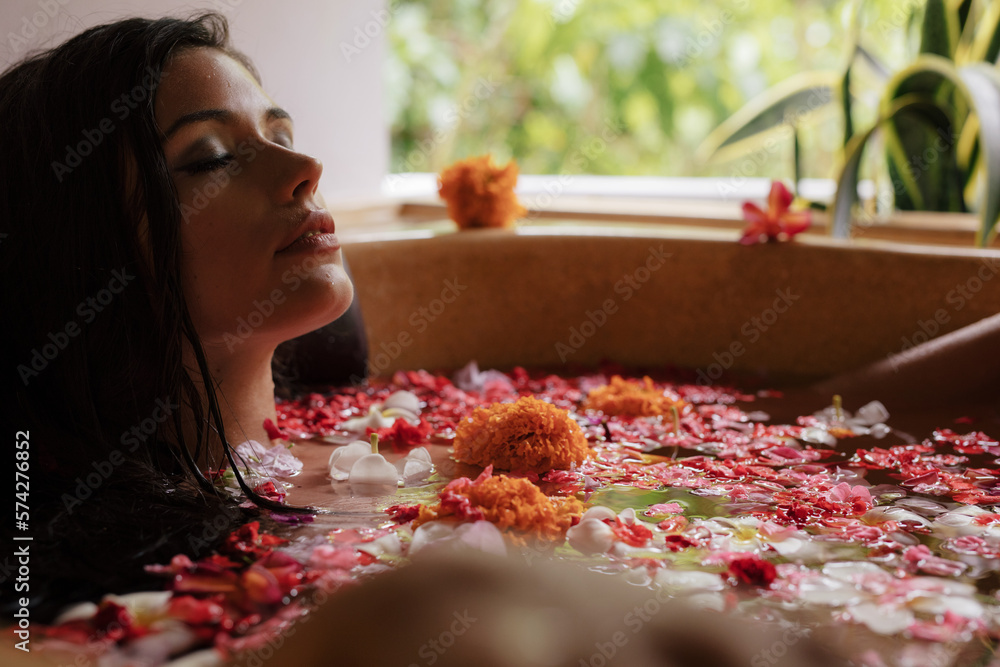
244 388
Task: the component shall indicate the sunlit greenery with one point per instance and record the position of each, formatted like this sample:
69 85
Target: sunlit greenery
611 86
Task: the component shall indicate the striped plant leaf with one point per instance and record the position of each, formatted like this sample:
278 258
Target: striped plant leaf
841 210
920 140
772 111
982 86
979 85
846 103
985 46
876 65
939 29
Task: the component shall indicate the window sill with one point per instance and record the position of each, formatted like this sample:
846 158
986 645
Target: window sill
410 204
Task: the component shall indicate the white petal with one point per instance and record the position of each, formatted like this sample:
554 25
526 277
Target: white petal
373 419
403 400
883 619
848 570
676 581
415 472
872 413
206 658
939 604
879 431
387 544
372 475
77 612
599 512
591 536
142 603
817 436
429 533
343 458
482 536
824 590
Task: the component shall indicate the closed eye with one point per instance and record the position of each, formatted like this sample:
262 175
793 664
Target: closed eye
211 164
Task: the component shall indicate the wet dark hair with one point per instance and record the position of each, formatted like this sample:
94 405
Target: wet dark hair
96 321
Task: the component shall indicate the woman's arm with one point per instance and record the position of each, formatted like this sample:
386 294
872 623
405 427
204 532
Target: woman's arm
959 367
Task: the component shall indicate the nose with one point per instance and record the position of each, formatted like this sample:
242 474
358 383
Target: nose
303 180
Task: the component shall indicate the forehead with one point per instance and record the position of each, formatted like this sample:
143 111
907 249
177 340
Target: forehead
202 78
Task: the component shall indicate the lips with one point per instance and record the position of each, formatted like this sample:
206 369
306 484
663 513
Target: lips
314 232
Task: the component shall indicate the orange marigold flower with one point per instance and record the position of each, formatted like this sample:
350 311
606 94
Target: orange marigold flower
514 504
627 398
481 194
528 436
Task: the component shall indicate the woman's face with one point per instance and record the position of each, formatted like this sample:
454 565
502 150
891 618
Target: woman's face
260 262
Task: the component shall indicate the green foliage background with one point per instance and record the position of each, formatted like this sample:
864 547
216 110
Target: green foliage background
624 87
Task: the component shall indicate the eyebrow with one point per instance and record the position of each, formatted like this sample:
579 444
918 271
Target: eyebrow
221 115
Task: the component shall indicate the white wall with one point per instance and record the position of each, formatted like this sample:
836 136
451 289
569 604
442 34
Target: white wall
335 99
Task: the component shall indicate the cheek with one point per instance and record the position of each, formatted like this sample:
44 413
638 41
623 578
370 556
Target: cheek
223 273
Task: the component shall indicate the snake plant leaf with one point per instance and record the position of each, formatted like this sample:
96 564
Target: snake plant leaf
845 103
920 146
963 10
920 152
985 46
967 148
876 65
979 84
939 30
841 210
784 104
982 86
920 140
854 22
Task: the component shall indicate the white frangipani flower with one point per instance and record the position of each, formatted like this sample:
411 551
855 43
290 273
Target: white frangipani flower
400 404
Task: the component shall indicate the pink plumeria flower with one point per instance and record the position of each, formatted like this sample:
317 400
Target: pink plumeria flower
777 223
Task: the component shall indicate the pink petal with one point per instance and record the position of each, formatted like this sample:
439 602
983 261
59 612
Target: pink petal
779 198
753 213
796 222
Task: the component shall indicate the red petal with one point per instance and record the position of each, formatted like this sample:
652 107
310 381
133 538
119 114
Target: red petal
753 214
796 222
779 198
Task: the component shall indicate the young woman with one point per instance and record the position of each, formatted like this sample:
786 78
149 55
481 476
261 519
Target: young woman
160 237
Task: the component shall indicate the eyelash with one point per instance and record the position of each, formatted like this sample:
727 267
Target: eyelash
211 164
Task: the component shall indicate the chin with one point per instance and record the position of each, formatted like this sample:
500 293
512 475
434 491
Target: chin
322 298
